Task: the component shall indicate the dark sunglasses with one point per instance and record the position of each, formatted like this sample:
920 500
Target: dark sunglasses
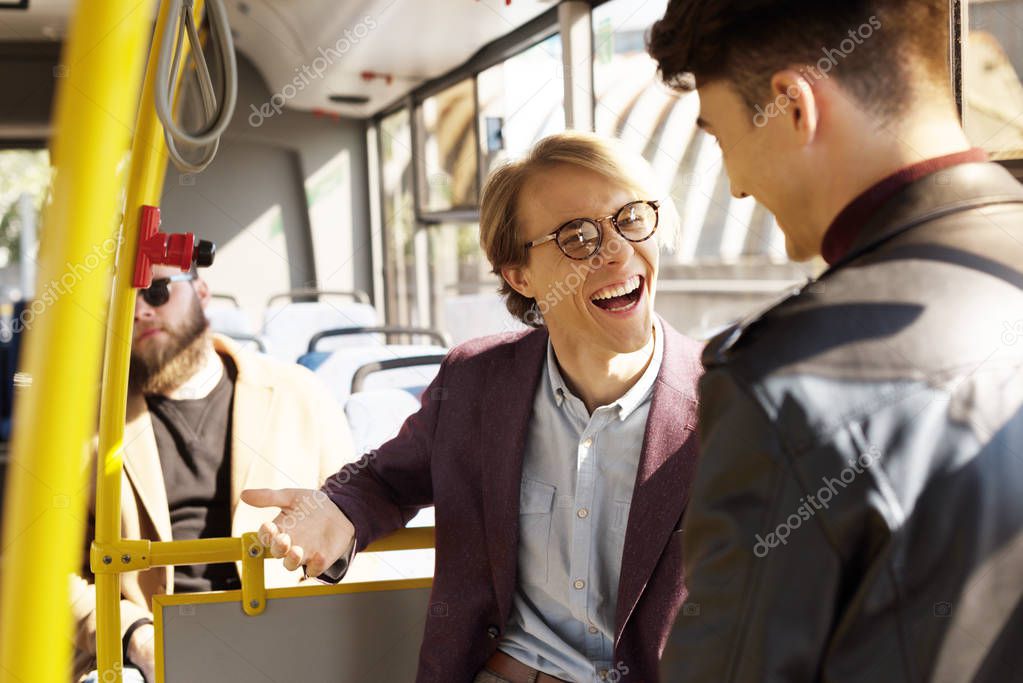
158 291
581 238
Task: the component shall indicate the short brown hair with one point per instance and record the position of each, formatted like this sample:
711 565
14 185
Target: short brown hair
747 42
499 225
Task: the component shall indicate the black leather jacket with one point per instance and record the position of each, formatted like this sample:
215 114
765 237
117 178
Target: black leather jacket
858 509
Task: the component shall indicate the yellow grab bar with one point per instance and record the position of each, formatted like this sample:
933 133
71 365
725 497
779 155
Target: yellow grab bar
44 517
145 185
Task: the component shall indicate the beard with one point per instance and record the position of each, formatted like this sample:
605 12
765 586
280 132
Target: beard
166 364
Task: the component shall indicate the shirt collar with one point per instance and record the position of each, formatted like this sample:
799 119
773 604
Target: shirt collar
631 399
844 230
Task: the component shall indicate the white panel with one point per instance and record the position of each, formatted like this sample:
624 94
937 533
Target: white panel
344 638
310 49
329 197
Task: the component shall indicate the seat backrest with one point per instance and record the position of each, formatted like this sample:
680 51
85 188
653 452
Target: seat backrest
229 320
289 326
376 416
337 370
477 315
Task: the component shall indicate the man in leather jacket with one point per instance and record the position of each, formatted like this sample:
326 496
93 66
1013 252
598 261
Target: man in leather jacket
857 513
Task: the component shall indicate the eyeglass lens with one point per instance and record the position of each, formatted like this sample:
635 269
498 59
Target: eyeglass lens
580 239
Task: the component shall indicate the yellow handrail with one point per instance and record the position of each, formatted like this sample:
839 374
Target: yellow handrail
145 185
43 522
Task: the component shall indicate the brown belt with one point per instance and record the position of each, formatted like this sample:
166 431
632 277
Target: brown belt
515 671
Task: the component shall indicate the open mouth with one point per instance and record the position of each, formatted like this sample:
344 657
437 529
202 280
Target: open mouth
619 298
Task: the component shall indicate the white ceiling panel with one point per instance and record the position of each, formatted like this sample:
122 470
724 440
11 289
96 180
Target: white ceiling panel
321 47
308 50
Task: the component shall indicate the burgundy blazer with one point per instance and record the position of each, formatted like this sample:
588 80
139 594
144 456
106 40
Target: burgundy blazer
463 451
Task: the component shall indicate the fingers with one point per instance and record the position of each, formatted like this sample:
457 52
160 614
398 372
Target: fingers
315 564
267 498
280 545
267 532
293 558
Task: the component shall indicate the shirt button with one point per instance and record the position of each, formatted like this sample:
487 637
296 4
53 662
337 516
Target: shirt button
588 442
594 630
583 513
603 674
579 584
493 632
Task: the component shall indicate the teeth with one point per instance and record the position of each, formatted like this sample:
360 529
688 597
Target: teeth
611 292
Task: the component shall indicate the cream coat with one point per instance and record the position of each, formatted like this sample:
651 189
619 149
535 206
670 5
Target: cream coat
288 432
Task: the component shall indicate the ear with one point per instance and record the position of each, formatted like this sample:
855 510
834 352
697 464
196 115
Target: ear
519 279
801 111
202 290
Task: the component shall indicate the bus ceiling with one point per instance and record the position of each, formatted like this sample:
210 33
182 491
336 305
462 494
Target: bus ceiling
351 59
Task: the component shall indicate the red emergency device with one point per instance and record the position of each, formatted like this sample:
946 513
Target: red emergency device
160 248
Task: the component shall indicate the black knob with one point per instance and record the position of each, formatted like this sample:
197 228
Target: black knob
204 253
493 632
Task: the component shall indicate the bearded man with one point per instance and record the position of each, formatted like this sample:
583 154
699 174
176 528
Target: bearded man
205 419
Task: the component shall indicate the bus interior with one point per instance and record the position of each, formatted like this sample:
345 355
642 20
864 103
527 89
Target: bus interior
343 202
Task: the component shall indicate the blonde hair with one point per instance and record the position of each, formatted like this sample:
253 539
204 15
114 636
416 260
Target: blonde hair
499 225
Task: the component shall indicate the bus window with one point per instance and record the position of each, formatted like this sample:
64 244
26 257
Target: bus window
522 100
449 153
991 78
398 214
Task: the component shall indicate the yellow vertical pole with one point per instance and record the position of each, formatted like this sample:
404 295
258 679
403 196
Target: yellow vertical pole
43 521
145 185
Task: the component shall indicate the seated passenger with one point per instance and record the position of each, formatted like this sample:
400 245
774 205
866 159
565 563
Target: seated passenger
557 458
204 420
858 511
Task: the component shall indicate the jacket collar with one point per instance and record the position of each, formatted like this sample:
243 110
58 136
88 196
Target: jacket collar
845 229
952 190
632 399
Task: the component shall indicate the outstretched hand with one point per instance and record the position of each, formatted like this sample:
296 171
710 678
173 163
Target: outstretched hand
310 530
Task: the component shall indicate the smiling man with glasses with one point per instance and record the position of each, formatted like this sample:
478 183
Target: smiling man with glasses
204 419
557 459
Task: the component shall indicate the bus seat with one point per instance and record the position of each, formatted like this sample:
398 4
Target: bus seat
313 360
477 315
375 416
228 320
288 327
339 367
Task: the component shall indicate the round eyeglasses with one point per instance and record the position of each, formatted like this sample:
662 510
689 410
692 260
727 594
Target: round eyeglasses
581 238
158 291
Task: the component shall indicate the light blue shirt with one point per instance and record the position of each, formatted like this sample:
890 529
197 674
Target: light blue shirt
578 475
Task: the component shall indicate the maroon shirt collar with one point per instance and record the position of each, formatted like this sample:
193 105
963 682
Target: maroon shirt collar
844 230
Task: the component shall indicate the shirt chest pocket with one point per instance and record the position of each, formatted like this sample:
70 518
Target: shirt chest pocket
536 509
